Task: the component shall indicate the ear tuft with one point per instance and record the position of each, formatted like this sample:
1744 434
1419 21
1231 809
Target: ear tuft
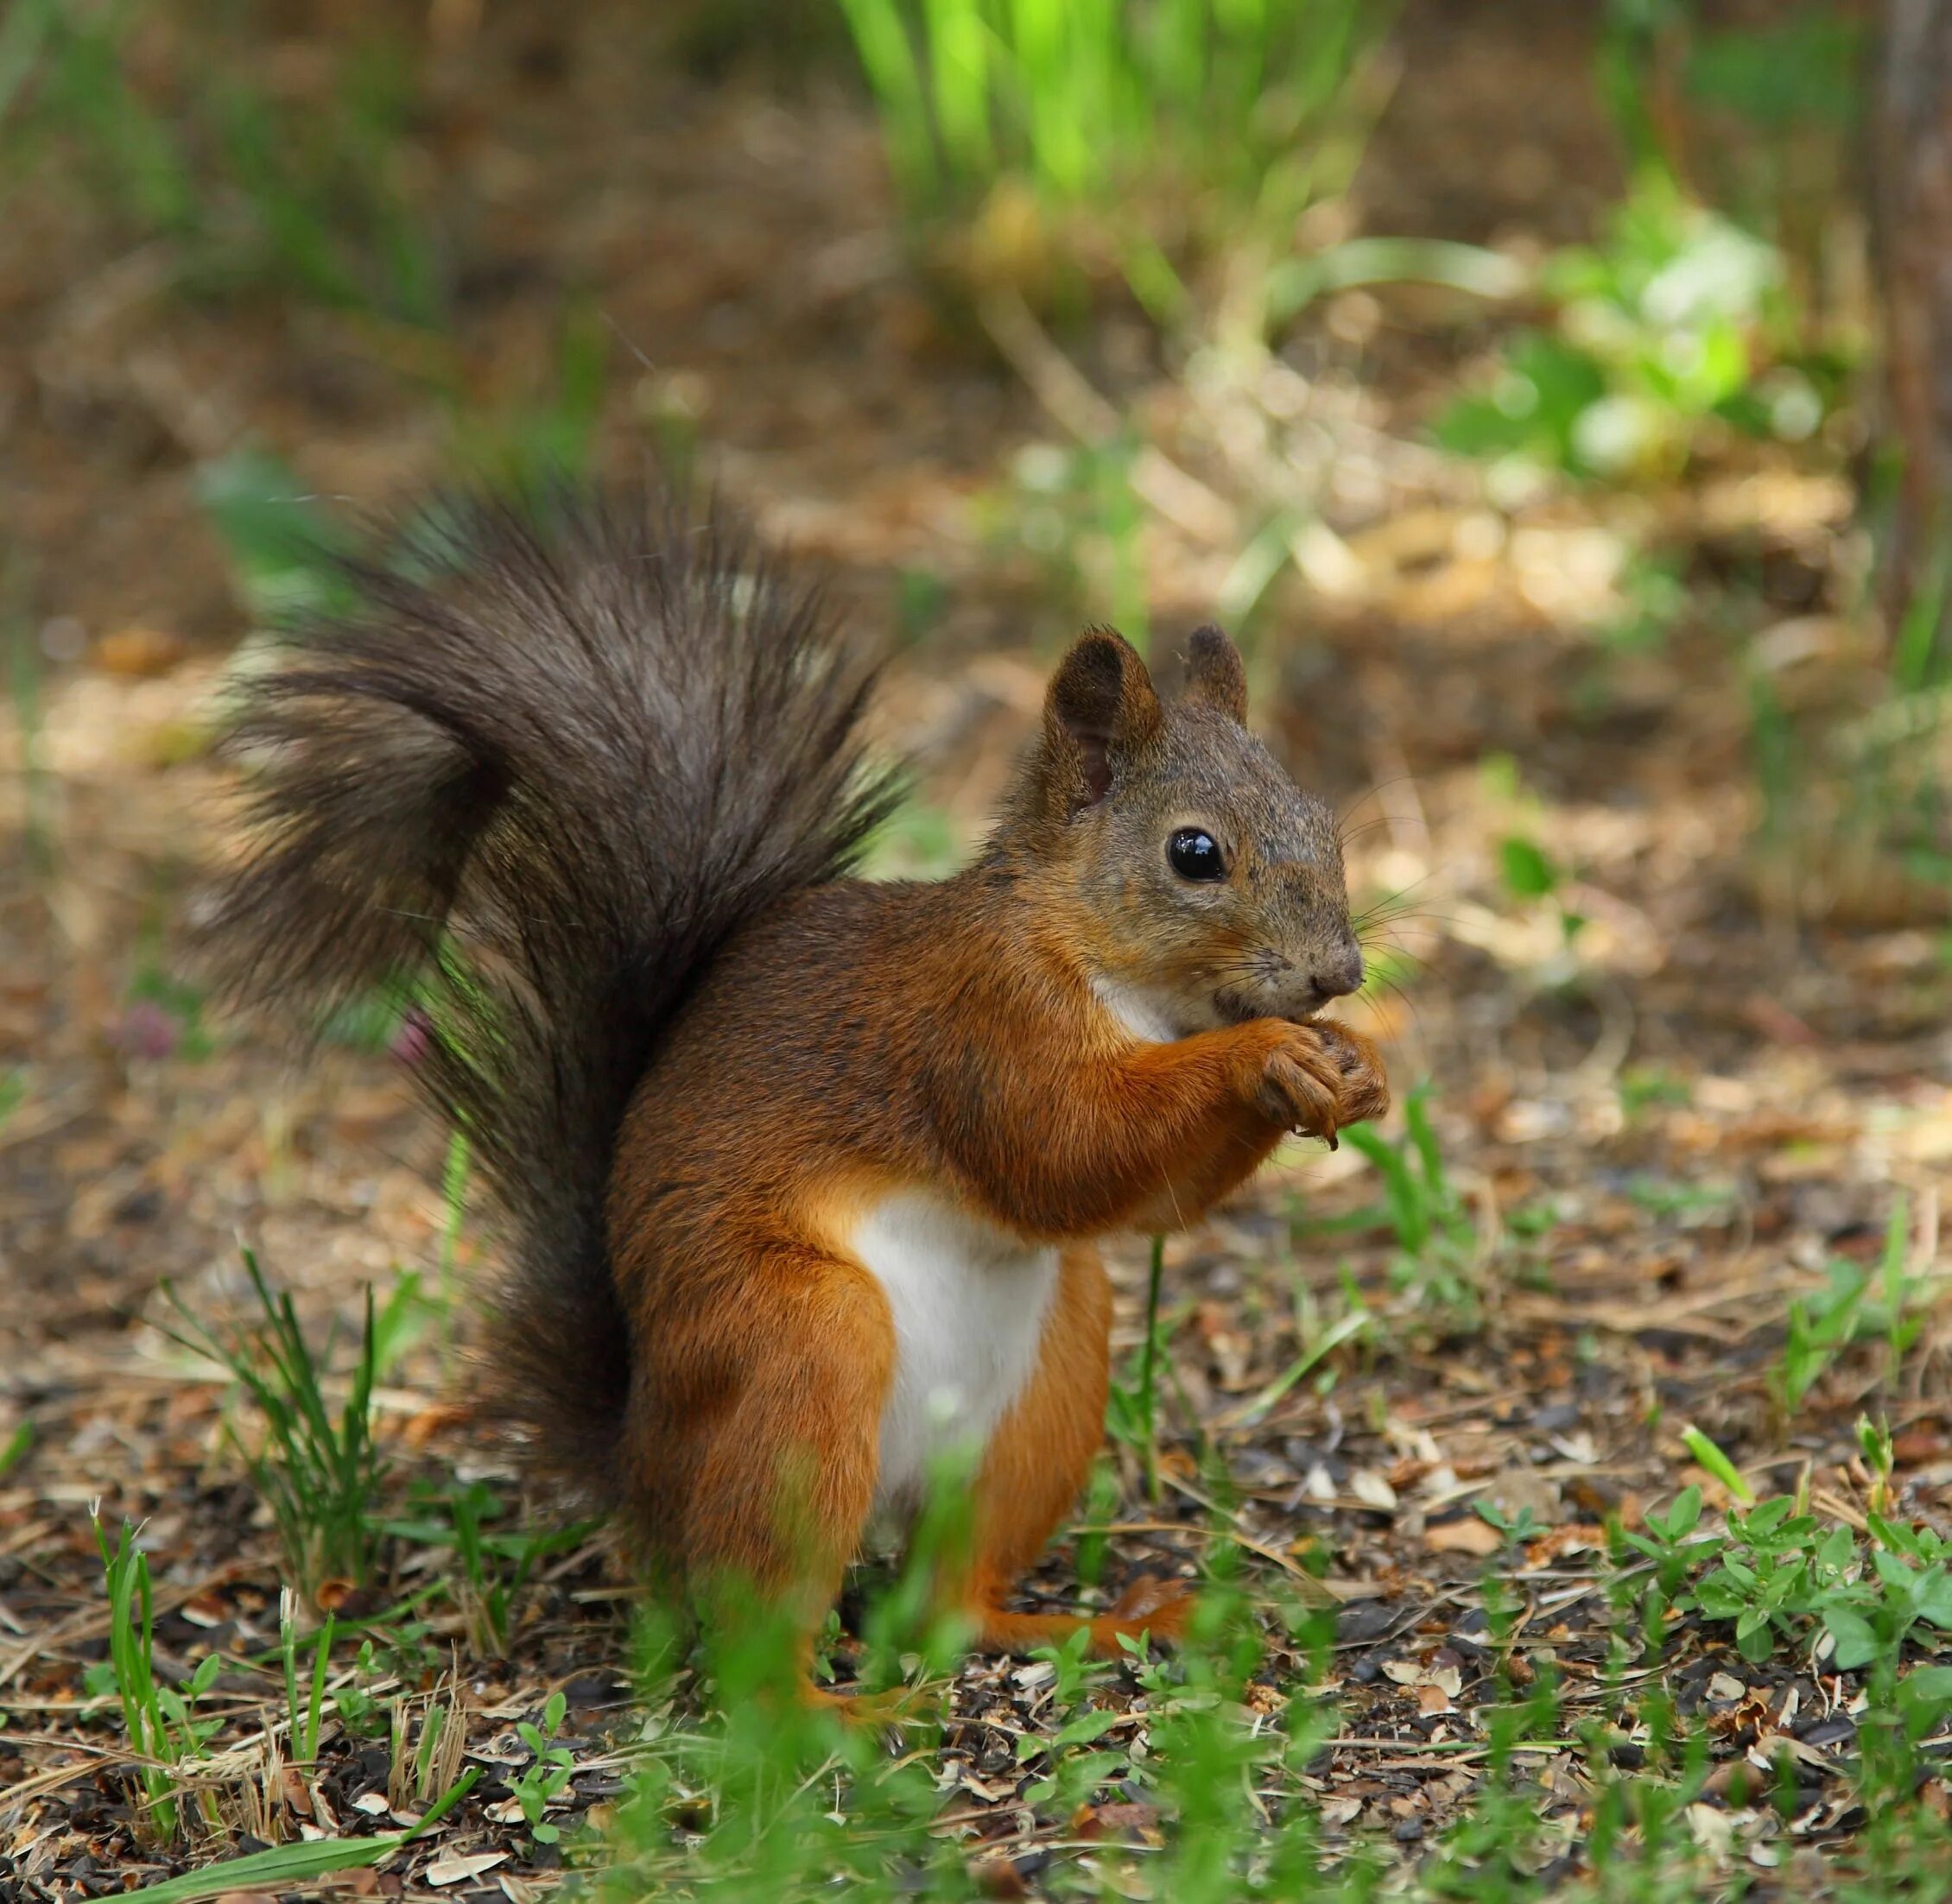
1100 705
1215 673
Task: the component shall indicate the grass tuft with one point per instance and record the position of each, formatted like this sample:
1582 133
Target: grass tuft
318 1473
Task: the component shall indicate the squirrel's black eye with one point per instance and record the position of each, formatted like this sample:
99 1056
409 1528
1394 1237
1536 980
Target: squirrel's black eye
1194 855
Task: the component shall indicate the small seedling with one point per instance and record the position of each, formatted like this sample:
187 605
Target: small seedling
1856 1304
1875 1449
1072 1774
551 1768
1437 1245
494 1564
162 1732
1515 1528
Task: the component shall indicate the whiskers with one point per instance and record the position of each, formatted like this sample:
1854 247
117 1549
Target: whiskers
1345 834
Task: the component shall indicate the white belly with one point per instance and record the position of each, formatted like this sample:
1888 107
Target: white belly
969 1302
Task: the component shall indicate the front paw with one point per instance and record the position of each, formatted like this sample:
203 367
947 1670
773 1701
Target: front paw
1362 1085
1300 1083
1319 1076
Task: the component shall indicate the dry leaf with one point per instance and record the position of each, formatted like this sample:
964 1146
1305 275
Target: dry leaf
137 651
1470 1536
1714 1830
998 1877
450 1870
990 1791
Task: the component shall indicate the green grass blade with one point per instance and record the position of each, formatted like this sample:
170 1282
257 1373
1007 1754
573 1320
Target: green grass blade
888 59
959 80
1344 1328
1147 1369
17 1449
280 1867
1712 1459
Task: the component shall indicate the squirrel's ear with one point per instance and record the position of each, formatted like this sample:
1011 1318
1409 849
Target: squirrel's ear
1100 705
1214 675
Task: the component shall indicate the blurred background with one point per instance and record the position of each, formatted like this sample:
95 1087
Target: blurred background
1555 400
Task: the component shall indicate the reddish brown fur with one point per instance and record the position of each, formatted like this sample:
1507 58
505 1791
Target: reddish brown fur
869 1038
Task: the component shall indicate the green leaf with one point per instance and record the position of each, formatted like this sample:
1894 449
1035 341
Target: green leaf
1086 1727
1839 1547
1926 1685
1856 1644
1684 1513
1529 874
1933 1600
1895 1537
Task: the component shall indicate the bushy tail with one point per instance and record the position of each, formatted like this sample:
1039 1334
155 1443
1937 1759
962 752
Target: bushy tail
554 756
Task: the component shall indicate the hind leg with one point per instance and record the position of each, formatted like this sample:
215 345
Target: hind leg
1036 1465
755 1456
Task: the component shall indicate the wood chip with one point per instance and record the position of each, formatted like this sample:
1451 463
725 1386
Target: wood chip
450 1870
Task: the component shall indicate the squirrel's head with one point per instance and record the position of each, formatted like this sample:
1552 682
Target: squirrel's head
1204 886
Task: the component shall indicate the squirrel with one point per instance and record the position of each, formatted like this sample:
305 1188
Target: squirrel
802 1175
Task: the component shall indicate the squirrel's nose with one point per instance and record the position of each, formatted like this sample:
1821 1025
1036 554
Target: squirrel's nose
1340 973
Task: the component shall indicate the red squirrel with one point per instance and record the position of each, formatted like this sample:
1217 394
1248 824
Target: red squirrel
801 1177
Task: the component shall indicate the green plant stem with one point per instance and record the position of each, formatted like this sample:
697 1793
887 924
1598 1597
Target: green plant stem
1147 1369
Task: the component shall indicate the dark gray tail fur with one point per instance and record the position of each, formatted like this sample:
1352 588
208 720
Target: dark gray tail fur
555 756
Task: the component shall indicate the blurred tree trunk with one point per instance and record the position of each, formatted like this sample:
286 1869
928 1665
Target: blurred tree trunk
1911 162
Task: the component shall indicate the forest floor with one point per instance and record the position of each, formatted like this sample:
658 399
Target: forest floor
1665 1110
